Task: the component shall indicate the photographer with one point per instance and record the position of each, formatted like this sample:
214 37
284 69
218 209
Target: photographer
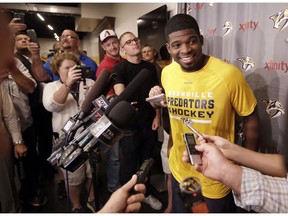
253 189
63 98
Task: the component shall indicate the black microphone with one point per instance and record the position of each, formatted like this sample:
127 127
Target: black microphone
107 130
101 85
96 90
131 89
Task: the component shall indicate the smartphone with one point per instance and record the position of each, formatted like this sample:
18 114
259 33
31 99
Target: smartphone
190 142
156 99
86 72
33 37
21 16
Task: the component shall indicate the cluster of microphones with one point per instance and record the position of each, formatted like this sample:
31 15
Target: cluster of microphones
100 121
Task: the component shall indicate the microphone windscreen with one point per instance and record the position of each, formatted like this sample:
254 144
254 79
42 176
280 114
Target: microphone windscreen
96 90
131 89
121 114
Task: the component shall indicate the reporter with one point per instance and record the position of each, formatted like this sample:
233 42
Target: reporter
251 189
123 201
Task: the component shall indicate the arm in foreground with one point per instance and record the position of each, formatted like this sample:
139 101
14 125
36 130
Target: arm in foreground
123 201
268 164
251 189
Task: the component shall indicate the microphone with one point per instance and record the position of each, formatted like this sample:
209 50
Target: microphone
107 130
102 83
131 89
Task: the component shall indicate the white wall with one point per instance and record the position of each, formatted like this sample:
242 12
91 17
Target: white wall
46 45
126 15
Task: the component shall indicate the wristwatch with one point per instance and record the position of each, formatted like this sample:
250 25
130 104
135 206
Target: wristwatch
18 142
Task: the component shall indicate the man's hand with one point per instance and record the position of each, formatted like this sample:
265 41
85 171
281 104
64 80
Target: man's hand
156 90
214 163
123 201
16 27
224 145
20 150
34 49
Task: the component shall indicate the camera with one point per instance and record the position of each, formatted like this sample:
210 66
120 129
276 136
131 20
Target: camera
86 72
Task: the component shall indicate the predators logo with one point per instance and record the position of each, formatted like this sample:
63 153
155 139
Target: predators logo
280 19
247 63
273 108
227 27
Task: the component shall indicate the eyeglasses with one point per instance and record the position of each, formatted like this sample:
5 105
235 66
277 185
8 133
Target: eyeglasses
67 37
129 42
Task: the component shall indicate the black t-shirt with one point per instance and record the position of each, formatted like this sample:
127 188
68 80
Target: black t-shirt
125 73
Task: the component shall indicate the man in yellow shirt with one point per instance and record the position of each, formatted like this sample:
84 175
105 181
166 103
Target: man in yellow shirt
208 92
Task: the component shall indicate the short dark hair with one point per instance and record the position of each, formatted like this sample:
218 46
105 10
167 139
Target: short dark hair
22 32
181 22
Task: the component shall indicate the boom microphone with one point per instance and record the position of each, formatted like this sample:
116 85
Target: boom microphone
131 89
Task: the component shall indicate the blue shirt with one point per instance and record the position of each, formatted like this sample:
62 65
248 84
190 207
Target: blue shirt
86 61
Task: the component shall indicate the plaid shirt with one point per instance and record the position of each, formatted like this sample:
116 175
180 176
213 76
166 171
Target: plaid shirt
262 193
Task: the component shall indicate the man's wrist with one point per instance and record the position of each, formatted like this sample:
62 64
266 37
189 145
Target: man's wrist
18 142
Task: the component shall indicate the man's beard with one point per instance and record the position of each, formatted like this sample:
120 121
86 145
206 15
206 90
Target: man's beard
67 48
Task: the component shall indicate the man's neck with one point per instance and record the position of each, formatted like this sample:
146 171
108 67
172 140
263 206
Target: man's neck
134 59
25 52
114 57
69 49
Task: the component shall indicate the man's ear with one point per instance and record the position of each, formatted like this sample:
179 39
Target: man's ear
168 48
123 50
201 39
103 47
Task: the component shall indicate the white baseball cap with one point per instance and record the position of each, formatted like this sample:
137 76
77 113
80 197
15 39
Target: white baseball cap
106 34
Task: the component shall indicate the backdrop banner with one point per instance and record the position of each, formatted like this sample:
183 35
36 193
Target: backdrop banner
254 37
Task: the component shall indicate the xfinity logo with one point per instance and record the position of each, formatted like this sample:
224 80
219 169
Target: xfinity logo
248 25
272 65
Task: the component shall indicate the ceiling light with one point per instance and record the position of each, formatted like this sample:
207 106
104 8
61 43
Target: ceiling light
40 17
50 27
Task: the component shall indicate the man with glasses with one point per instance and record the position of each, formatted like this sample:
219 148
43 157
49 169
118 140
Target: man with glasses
69 41
138 145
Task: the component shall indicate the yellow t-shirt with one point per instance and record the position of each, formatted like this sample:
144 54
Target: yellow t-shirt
209 97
